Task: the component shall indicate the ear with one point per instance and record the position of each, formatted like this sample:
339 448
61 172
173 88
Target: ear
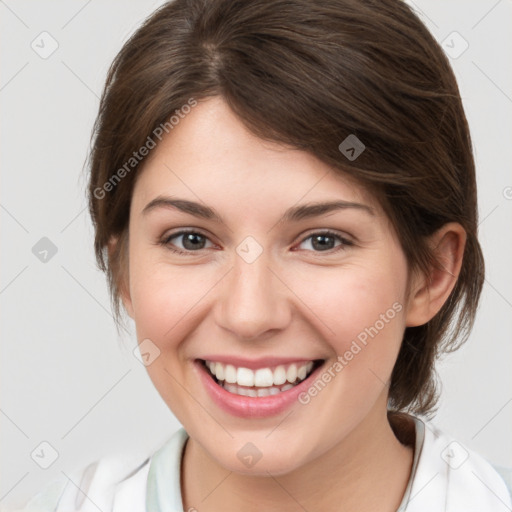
429 293
118 253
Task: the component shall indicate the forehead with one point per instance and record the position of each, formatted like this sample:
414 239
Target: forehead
211 154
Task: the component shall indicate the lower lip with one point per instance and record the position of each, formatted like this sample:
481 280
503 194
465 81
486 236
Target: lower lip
252 407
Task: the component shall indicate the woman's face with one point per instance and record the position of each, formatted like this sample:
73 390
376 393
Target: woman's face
262 293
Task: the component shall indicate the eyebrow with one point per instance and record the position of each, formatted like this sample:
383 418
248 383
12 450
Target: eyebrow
293 214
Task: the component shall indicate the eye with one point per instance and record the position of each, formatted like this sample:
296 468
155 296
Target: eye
191 241
324 241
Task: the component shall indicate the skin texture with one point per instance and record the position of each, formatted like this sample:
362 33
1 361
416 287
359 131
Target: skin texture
338 452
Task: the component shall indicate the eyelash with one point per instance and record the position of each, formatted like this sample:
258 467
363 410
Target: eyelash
344 242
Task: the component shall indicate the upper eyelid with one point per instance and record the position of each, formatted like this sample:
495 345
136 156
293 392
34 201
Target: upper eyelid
185 231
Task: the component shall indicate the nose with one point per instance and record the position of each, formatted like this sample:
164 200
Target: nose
255 302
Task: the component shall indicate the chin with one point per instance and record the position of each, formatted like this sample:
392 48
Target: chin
250 460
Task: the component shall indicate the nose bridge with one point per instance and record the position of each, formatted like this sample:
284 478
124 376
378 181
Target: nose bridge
253 299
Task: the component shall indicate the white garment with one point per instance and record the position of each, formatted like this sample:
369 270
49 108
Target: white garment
466 483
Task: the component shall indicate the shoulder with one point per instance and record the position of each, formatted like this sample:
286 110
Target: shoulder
116 482
467 480
98 484
506 476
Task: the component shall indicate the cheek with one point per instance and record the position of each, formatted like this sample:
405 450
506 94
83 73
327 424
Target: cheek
163 297
360 311
167 303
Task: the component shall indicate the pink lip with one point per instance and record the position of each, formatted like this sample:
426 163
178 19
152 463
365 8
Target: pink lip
252 407
254 364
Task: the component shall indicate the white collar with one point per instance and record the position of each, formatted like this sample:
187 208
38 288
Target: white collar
446 476
449 477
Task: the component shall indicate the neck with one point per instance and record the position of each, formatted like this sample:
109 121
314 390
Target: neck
366 471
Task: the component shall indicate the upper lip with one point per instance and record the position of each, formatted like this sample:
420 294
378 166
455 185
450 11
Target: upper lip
261 362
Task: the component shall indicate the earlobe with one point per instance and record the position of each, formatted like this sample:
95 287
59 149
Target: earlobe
430 292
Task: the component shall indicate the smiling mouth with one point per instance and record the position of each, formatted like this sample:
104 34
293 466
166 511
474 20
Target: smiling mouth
262 381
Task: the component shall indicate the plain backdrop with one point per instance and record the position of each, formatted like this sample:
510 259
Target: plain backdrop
67 379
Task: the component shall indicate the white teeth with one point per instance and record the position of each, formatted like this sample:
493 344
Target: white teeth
301 373
252 392
230 374
265 378
279 375
291 374
241 391
219 371
244 377
232 388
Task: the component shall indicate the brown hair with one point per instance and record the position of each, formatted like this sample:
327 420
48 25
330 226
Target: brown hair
308 73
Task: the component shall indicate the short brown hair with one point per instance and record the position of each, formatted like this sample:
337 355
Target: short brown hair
308 73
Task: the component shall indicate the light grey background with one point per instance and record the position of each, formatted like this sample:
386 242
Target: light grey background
66 377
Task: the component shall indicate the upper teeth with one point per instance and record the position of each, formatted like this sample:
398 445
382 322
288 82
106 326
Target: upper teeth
262 377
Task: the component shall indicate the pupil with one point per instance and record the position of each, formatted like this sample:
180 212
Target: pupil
192 239
319 242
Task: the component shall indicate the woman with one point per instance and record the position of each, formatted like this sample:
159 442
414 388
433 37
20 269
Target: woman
284 202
